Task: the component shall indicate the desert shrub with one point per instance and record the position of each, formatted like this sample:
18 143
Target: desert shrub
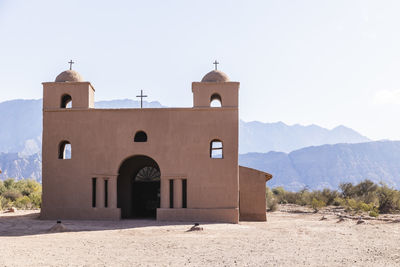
338 201
1 202
303 198
366 191
365 196
284 197
371 198
326 195
12 194
365 187
27 187
5 203
9 183
364 206
347 189
317 204
273 206
330 195
389 199
280 195
2 188
362 189
24 194
36 199
278 191
373 213
272 203
290 197
23 203
352 204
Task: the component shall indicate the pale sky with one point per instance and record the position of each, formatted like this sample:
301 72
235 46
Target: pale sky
318 62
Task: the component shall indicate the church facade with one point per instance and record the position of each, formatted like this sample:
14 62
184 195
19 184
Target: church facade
176 164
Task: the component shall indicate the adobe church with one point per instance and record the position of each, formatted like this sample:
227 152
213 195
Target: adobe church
172 164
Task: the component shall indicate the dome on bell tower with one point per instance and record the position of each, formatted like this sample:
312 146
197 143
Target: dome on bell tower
69 76
215 76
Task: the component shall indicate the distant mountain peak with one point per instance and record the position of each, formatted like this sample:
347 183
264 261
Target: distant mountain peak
127 103
340 127
257 136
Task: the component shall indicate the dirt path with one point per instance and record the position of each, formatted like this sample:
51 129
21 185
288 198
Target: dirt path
287 239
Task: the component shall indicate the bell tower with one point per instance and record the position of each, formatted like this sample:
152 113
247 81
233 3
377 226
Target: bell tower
68 91
215 85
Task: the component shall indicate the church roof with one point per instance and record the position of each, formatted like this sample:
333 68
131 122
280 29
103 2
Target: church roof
268 176
69 76
215 76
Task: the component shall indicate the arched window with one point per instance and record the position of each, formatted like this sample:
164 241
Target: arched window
65 150
140 136
216 149
215 101
66 101
148 174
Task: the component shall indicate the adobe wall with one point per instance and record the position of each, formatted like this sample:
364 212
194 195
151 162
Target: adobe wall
252 202
81 92
178 140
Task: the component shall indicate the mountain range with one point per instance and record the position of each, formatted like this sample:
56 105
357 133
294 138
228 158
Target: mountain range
256 136
327 166
21 166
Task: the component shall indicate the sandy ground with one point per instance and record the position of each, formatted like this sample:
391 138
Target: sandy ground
291 237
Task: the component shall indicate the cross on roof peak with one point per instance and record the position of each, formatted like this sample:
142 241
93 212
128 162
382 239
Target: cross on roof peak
216 64
70 64
141 98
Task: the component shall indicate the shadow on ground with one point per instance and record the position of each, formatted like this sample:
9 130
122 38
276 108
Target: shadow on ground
30 224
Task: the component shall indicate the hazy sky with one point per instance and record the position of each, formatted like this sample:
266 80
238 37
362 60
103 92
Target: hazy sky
309 62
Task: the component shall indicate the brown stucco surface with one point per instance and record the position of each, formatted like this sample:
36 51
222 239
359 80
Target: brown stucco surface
252 194
178 140
69 76
215 76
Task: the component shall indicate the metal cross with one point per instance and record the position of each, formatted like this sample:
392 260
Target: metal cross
70 64
216 63
141 98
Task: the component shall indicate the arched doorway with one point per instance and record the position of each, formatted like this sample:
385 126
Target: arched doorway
138 187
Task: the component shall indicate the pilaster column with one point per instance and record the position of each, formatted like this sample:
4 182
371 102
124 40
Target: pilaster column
112 192
177 193
164 193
